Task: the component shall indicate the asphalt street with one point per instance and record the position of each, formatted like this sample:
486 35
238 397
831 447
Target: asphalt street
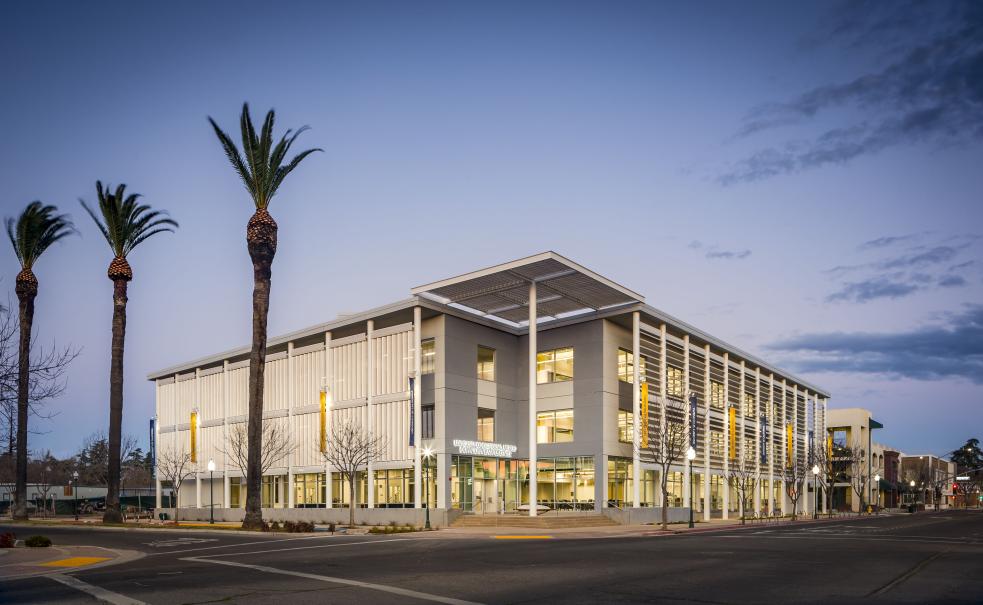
921 558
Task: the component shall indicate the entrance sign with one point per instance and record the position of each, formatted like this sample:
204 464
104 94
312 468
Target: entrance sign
480 448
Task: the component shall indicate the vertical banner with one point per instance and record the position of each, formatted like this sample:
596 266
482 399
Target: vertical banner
644 415
412 415
810 454
153 446
788 444
829 447
323 426
763 446
194 436
692 421
732 426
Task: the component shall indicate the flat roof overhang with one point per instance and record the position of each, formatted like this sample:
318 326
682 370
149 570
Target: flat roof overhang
563 289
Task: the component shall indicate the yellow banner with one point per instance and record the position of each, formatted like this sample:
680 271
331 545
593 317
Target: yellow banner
788 444
194 436
644 415
829 447
732 426
324 422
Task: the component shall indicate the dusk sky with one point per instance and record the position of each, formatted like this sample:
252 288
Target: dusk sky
800 180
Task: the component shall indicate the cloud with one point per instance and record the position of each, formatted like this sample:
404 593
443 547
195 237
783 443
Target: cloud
933 256
951 349
887 240
930 91
728 254
951 281
872 289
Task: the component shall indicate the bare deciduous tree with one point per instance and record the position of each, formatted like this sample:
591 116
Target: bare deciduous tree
348 451
277 446
855 457
175 467
833 466
793 479
668 448
743 477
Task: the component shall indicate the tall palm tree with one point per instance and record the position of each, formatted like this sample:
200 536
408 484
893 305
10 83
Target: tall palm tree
31 233
125 224
262 171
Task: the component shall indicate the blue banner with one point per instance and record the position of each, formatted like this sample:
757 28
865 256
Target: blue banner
412 415
692 421
153 447
764 440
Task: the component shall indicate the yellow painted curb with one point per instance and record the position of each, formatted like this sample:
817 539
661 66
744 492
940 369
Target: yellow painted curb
520 537
75 561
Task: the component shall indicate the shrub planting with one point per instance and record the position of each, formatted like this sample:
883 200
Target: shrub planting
38 542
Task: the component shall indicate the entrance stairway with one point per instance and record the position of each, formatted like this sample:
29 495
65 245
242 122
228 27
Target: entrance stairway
544 522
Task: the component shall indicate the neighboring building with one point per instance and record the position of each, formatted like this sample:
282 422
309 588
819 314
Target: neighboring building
928 480
890 487
595 355
851 428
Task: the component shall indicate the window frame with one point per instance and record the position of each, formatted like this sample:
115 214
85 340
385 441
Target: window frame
481 370
548 366
479 426
552 416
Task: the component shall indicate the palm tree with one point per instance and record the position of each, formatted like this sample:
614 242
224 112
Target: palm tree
125 224
262 172
33 232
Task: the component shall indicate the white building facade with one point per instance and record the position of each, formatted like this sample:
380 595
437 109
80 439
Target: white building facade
529 364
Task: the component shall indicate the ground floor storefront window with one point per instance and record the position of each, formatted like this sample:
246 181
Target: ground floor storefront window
341 493
496 485
620 472
394 488
309 490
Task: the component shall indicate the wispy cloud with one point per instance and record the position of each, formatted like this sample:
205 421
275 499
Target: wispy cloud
887 240
930 90
715 252
953 348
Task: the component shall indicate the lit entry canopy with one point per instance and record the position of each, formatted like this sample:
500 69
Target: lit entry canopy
563 288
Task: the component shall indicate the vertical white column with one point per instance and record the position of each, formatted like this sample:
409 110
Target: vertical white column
742 442
369 412
226 486
175 439
688 475
291 492
795 435
200 452
663 391
828 497
158 492
727 430
771 444
328 388
636 407
418 401
706 434
532 399
197 489
757 439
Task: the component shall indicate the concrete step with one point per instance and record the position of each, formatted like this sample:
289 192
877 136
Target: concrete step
545 522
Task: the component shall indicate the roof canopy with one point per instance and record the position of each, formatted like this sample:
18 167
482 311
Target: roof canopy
563 288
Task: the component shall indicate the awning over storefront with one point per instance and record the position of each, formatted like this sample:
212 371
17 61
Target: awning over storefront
502 292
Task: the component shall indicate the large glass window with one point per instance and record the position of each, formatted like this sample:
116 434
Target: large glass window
554 366
394 488
309 490
235 486
554 427
486 425
626 366
717 394
428 356
273 491
427 418
749 410
626 422
341 493
716 443
619 481
674 382
486 363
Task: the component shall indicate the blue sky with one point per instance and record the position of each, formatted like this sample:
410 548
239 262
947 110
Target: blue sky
802 181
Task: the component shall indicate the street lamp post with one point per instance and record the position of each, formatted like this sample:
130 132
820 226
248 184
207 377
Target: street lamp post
211 491
815 488
877 493
75 490
690 456
427 453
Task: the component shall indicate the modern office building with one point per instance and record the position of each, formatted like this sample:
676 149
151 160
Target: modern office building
538 363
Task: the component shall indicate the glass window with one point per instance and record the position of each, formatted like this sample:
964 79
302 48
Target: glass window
626 366
674 382
428 356
554 366
749 449
749 410
716 443
554 427
309 490
394 488
486 363
625 426
427 418
717 394
486 425
234 487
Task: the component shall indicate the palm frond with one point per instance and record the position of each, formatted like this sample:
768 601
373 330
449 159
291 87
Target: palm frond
35 230
124 222
261 163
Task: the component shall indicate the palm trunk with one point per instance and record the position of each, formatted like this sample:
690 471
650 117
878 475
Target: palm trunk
261 235
27 290
113 513
665 503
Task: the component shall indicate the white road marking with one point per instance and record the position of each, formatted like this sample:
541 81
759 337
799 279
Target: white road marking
100 593
178 542
260 552
862 538
423 596
176 552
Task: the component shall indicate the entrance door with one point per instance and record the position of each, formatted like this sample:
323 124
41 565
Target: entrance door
487 496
